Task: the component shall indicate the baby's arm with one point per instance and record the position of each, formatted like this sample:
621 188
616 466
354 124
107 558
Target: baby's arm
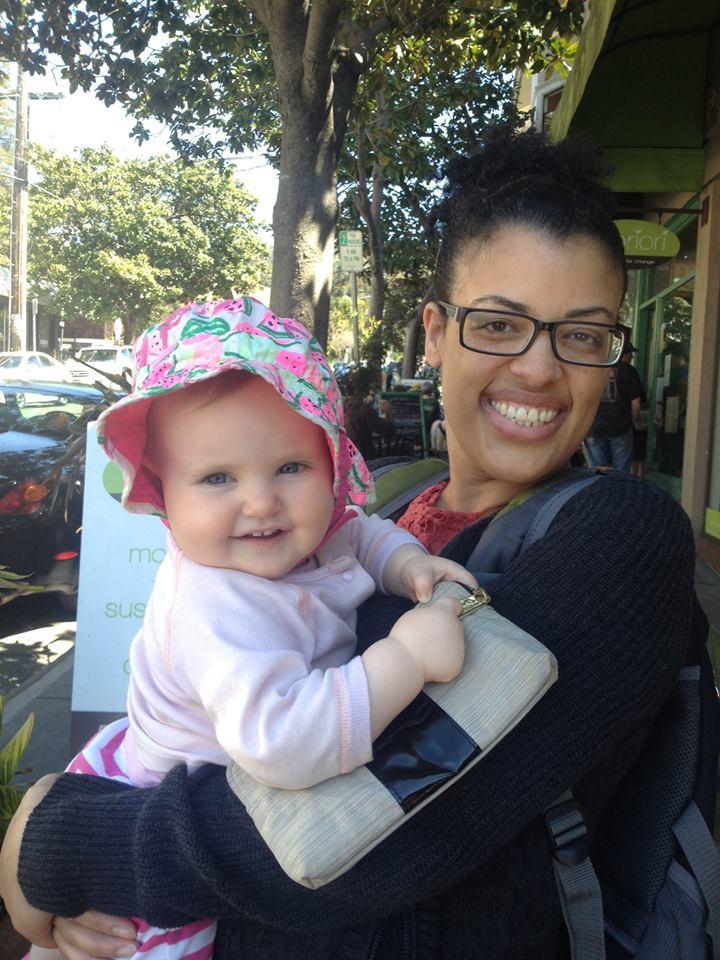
410 572
425 644
396 560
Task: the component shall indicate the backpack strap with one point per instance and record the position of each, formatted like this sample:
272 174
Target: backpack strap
524 521
577 884
547 513
696 842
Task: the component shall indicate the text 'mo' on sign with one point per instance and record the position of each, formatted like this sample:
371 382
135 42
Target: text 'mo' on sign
646 244
351 251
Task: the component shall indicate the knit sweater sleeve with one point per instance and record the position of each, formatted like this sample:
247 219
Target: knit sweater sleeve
608 589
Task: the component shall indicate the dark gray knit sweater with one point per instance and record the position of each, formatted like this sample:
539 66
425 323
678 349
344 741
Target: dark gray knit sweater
608 590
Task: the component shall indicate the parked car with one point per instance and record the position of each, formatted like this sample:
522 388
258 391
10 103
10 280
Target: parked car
117 360
42 460
34 366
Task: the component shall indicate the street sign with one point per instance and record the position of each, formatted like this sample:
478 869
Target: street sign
351 250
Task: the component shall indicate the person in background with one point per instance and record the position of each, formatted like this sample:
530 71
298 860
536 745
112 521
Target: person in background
367 428
611 440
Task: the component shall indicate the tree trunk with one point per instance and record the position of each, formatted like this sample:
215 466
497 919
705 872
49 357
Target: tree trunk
128 328
370 210
412 337
302 39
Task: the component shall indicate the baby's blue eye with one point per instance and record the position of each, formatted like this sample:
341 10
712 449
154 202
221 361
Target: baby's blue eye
291 468
215 479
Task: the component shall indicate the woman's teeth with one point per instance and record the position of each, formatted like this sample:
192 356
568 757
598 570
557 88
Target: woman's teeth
526 416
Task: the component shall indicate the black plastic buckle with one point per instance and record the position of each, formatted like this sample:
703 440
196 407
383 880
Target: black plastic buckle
568 833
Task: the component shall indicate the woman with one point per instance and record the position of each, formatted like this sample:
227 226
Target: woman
529 261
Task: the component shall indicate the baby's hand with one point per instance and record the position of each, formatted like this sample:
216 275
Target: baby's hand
420 573
433 637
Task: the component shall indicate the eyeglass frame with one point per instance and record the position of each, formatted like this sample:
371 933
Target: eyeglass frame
460 313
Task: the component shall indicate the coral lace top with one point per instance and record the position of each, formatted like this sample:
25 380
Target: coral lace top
433 526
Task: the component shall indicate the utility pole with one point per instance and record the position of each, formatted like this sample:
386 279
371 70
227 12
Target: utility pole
17 305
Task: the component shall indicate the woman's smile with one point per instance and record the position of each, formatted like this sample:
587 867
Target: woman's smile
523 416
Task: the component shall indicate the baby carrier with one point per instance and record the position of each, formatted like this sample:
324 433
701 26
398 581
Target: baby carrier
652 888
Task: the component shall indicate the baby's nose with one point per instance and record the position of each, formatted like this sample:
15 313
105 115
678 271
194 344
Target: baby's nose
258 500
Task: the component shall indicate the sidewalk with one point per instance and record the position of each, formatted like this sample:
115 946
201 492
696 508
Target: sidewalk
47 690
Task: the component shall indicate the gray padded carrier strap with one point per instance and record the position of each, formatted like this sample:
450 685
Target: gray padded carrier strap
697 843
547 513
577 883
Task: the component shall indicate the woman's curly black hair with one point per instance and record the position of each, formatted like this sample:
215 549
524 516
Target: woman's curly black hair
522 179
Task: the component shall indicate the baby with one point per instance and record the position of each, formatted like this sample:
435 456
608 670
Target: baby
233 434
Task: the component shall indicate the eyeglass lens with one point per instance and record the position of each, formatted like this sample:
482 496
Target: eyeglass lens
507 334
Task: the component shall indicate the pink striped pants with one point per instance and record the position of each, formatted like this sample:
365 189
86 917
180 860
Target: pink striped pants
104 756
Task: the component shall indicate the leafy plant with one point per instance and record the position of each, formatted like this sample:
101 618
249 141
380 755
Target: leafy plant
14 585
9 758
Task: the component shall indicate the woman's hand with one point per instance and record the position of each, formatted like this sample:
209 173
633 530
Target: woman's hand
34 925
95 935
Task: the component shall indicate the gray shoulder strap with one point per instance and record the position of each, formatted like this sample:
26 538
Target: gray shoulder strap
577 883
547 513
697 843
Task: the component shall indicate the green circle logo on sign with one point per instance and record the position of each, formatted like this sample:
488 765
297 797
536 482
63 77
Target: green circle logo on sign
646 244
112 479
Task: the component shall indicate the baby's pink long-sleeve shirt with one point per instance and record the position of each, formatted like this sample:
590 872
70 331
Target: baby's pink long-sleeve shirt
228 665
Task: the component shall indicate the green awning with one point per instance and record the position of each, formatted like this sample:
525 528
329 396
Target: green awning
638 89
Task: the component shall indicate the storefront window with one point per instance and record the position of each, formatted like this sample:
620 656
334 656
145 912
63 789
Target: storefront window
665 274
669 371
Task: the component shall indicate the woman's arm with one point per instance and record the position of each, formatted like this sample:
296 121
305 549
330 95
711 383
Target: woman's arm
187 848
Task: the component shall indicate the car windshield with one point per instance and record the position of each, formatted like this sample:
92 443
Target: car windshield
41 413
10 360
94 356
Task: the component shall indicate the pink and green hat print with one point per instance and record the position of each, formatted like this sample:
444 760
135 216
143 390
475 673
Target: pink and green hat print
203 340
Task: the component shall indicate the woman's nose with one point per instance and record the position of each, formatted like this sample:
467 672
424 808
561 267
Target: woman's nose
539 365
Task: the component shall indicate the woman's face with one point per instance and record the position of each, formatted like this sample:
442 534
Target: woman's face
526 271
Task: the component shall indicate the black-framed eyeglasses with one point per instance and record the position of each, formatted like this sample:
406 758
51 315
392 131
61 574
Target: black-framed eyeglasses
501 333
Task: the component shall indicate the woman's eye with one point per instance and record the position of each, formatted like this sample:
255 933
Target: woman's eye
215 479
291 468
490 326
584 337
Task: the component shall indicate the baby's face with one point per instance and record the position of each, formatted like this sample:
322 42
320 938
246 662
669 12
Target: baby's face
247 482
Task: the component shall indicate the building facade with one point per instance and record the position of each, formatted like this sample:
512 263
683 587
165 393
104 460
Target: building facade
645 87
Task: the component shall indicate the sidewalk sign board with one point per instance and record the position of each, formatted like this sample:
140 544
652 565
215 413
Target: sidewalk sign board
119 558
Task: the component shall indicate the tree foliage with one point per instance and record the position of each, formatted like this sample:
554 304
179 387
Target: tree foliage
396 152
206 68
281 75
112 238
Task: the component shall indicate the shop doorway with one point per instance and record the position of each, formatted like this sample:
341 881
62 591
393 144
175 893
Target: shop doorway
668 320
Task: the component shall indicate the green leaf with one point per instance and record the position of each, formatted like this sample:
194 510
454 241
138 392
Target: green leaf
9 802
13 750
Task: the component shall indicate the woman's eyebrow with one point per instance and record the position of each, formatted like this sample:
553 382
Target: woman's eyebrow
589 311
523 308
501 301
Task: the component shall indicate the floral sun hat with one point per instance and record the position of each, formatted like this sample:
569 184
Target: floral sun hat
202 340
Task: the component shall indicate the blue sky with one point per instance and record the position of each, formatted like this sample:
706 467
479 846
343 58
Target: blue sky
80 120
